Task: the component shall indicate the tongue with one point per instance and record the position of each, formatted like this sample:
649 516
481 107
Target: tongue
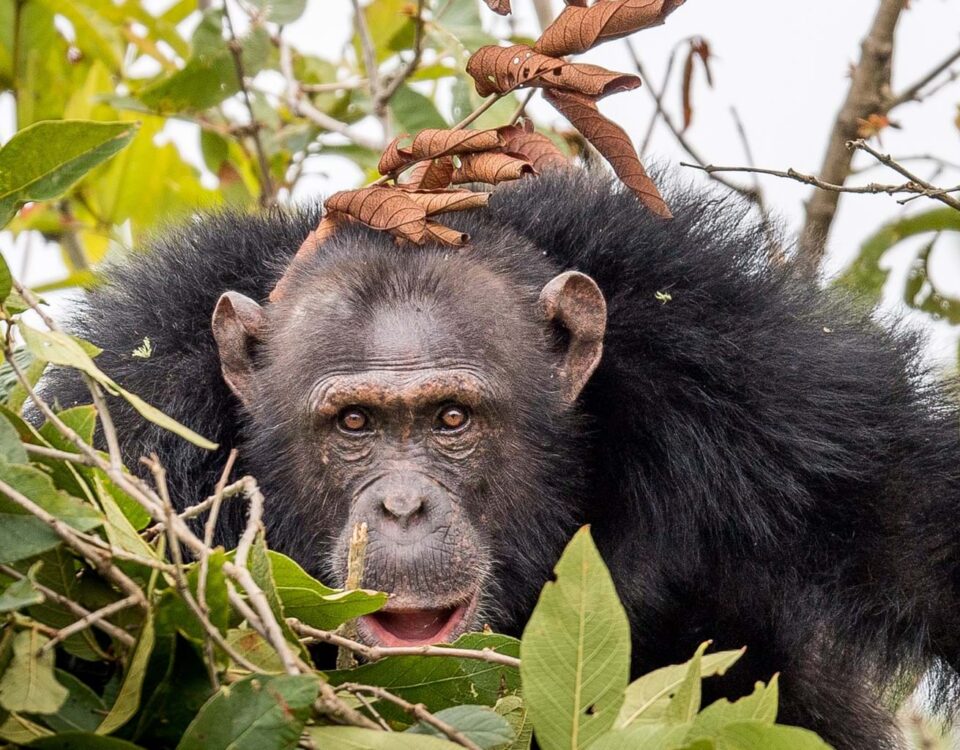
414 625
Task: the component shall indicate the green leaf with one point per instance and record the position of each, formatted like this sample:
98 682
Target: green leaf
755 735
11 447
441 682
414 111
175 614
355 738
249 643
22 534
19 729
648 697
646 736
575 651
82 710
313 603
21 593
128 701
281 11
512 709
865 277
82 741
6 280
60 349
760 705
478 723
28 684
43 160
260 712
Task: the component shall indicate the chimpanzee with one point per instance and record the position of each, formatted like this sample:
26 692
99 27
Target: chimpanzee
761 463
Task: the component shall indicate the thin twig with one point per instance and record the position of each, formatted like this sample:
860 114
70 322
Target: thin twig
236 51
382 97
914 91
522 106
376 653
90 619
658 96
355 560
932 191
52 453
80 611
417 710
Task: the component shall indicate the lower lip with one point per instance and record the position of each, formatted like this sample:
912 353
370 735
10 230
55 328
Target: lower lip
422 627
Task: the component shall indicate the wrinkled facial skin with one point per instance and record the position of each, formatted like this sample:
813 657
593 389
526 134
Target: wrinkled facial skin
434 419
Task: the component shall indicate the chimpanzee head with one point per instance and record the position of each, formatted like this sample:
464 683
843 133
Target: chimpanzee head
429 393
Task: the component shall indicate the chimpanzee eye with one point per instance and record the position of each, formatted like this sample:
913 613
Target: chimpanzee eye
452 417
352 419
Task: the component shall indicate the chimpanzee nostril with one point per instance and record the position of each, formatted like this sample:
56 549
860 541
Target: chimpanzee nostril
403 507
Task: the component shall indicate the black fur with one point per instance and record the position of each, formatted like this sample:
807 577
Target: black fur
766 466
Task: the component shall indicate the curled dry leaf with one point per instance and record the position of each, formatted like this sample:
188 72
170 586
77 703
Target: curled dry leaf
433 143
430 175
536 148
445 201
499 6
611 141
501 69
578 28
699 48
491 167
445 235
498 70
382 207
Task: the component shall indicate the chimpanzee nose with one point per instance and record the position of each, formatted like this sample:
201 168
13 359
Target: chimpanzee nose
403 501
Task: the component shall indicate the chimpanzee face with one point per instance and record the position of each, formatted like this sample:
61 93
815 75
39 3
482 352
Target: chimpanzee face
421 403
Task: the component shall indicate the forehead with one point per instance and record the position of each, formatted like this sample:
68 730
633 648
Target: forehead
374 316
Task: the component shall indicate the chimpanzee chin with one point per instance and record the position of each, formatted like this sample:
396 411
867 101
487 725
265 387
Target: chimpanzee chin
761 463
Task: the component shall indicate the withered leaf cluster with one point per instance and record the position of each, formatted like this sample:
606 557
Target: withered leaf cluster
574 88
420 171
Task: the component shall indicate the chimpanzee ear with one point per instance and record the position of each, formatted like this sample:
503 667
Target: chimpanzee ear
574 302
237 322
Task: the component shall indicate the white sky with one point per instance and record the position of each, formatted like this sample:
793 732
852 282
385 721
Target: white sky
783 65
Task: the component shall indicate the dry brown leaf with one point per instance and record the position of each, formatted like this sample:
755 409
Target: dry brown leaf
446 235
444 201
536 148
434 142
591 80
382 207
578 28
496 70
499 6
699 48
430 175
490 167
611 141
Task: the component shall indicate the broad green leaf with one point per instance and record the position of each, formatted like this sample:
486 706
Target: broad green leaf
175 614
685 702
20 594
281 11
461 18
128 700
19 729
355 738
260 712
82 741
478 723
512 709
251 644
96 36
81 712
760 705
61 349
440 682
313 603
414 111
43 160
756 735
646 736
575 651
865 277
22 534
6 280
648 697
120 532
28 684
11 447
391 29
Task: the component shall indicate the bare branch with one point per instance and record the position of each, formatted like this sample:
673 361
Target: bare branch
924 187
90 619
915 93
869 94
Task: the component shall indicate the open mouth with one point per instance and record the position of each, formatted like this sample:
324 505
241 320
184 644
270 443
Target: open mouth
403 626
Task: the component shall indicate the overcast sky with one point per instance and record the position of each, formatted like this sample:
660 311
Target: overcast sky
784 66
